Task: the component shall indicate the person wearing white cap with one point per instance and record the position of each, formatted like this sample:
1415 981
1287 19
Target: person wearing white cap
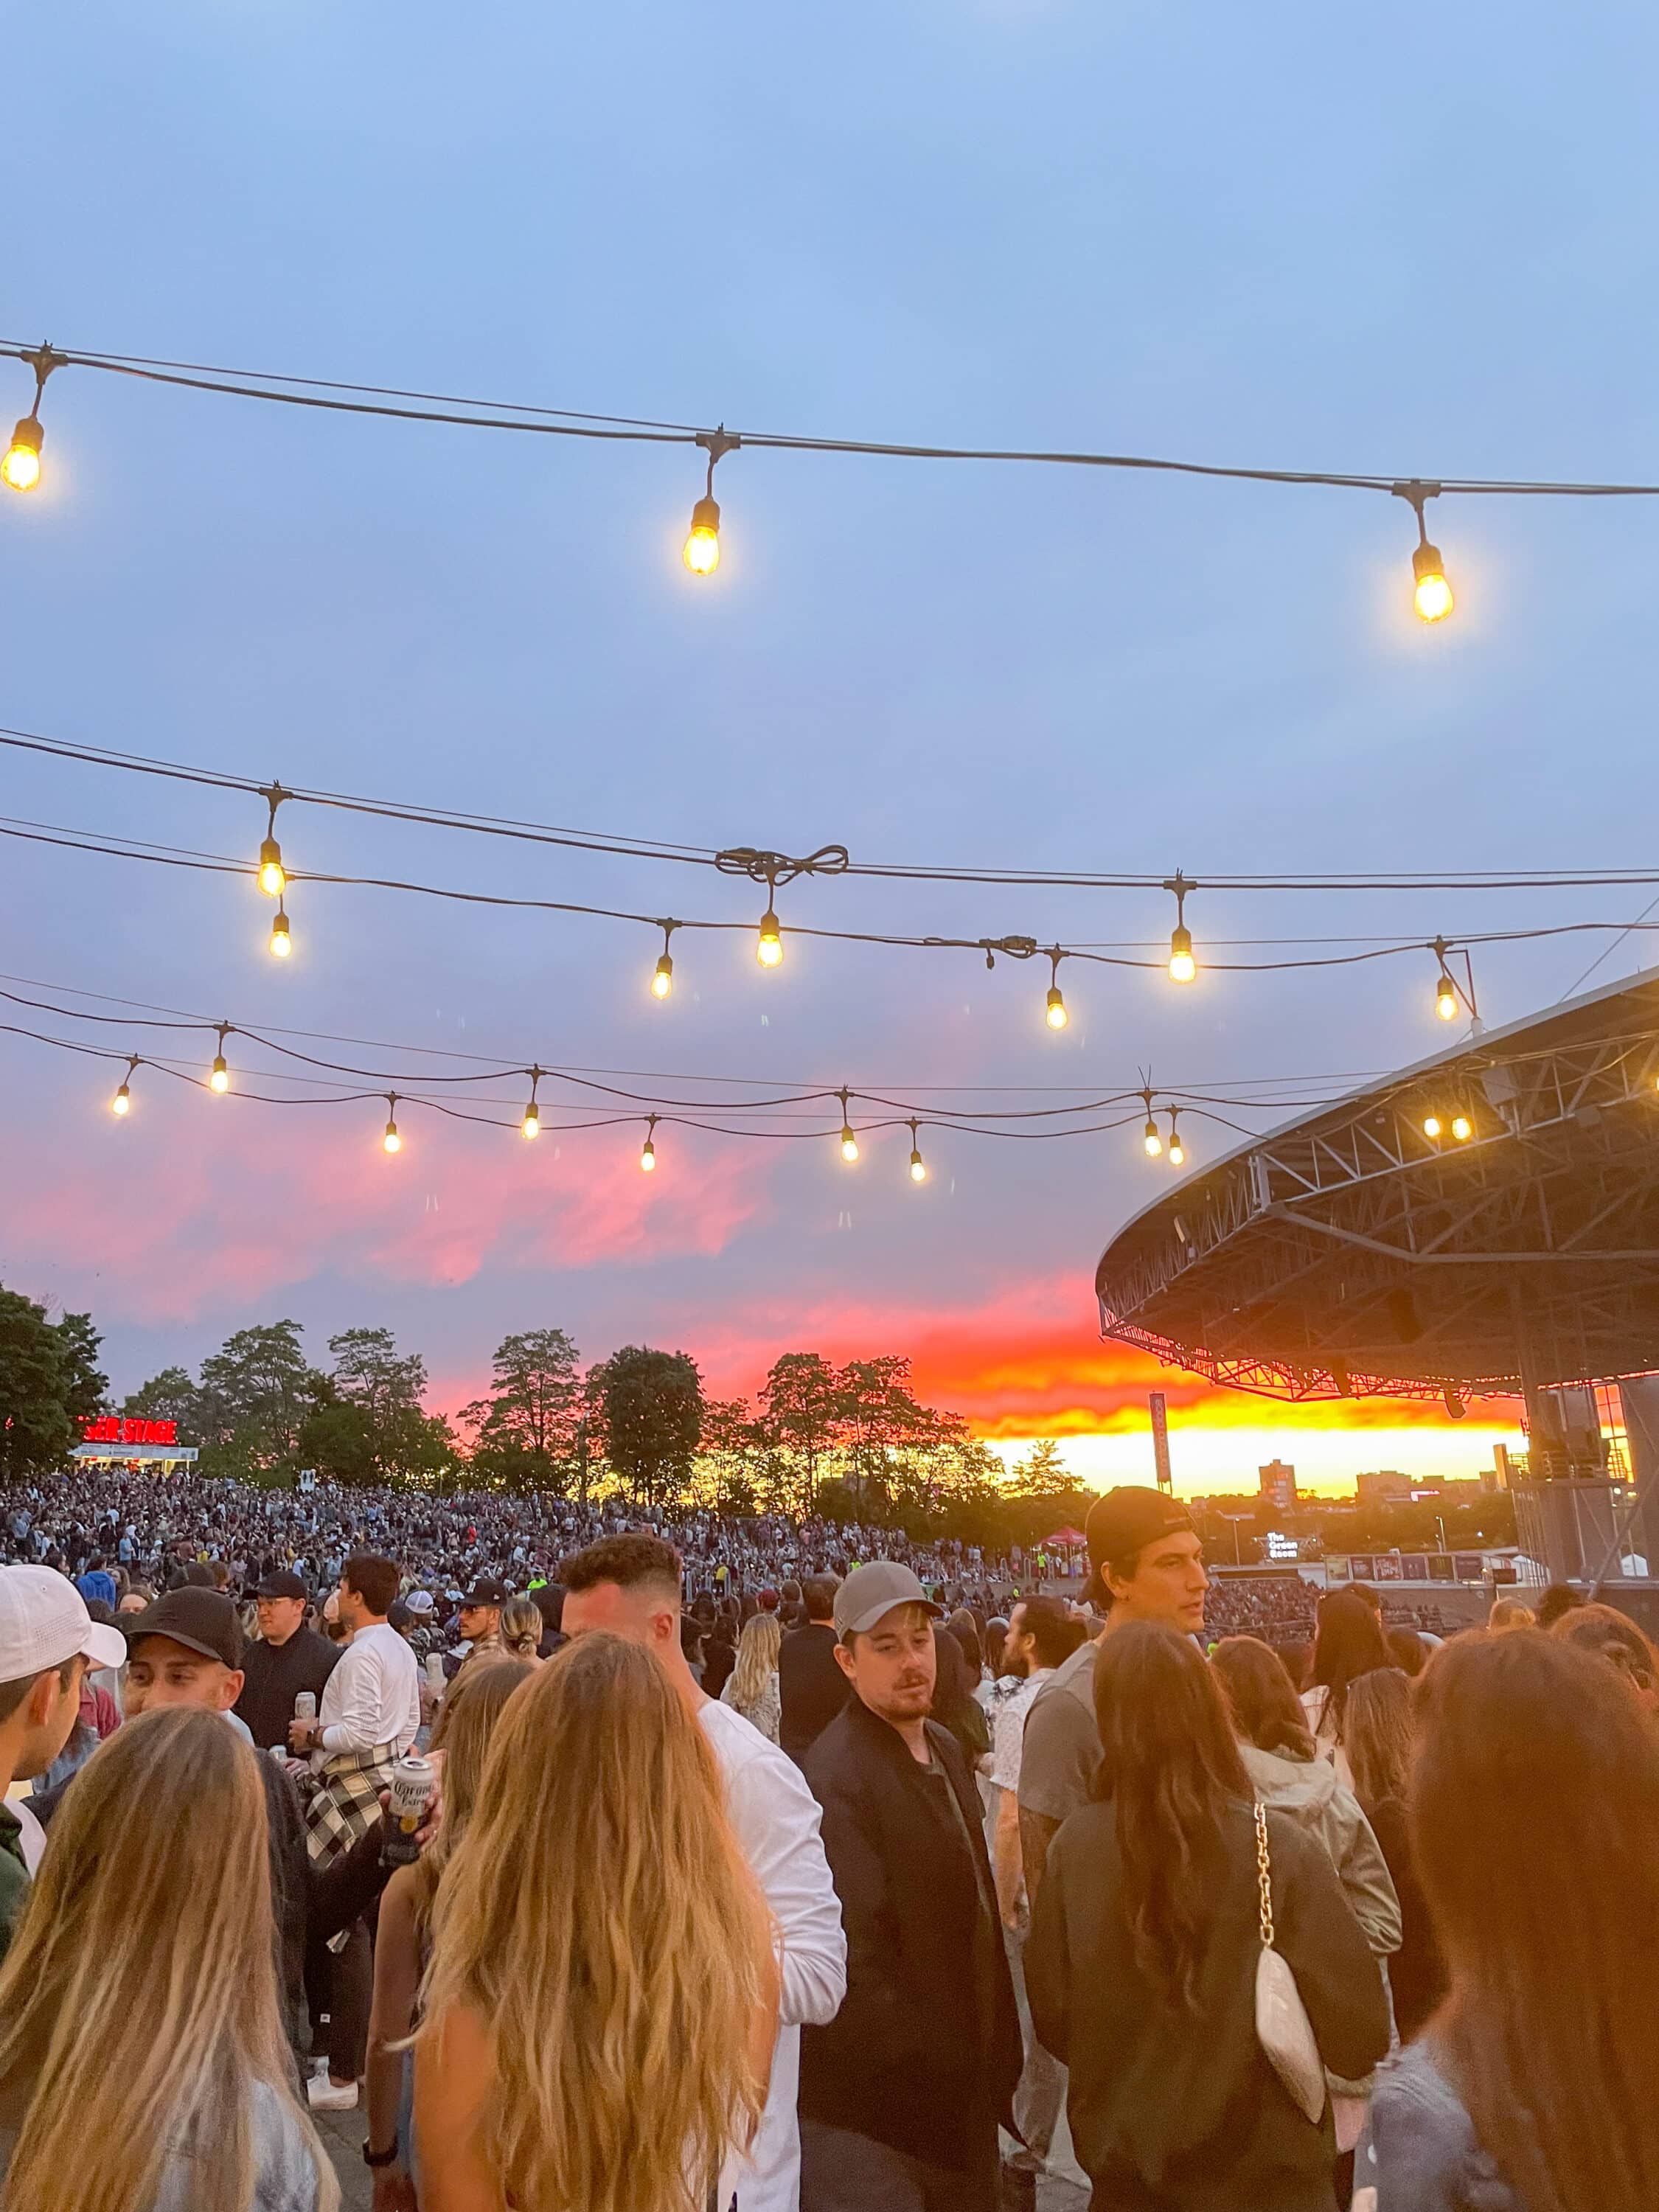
47 1641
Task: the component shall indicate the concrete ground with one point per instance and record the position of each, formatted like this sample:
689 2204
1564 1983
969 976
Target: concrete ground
343 2134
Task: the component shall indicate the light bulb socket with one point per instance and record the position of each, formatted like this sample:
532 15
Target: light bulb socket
706 516
1181 942
1426 563
28 434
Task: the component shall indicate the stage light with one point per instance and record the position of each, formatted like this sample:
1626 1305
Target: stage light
648 1149
1462 1127
1433 1127
391 1142
769 946
281 943
918 1165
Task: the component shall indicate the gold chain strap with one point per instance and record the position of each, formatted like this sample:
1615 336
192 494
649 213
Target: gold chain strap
1264 1874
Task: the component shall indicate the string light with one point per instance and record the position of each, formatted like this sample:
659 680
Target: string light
1431 594
662 982
1055 1014
701 554
1177 1150
219 1074
391 1142
850 1143
1445 990
121 1105
21 468
1152 1141
281 943
273 875
531 1126
918 1165
769 949
648 1149
1184 968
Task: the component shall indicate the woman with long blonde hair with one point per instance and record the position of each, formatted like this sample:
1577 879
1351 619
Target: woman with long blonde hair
600 2009
142 2060
402 1941
522 1629
752 1688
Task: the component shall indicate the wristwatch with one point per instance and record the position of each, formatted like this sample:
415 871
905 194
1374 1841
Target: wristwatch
378 2158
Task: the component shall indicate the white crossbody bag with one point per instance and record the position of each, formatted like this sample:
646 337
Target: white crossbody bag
1282 2026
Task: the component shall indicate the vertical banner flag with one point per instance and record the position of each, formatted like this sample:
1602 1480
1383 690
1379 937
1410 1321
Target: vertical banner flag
1160 1438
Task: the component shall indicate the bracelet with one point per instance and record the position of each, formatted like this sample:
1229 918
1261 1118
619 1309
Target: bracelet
378 2158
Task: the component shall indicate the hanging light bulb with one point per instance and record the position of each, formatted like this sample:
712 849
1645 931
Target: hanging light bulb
769 949
121 1105
281 943
1151 1140
1055 1012
918 1165
1433 1127
219 1074
1462 1127
273 875
663 982
531 1126
1182 966
701 553
21 467
1431 595
1445 998
1177 1150
391 1142
850 1143
648 1149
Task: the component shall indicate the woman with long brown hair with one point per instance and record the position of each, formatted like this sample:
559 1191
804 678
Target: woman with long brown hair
1534 1813
601 2005
1141 1964
143 2059
402 1940
1348 1643
1380 1733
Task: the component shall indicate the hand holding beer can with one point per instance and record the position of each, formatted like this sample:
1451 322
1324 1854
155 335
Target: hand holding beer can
305 1705
414 1779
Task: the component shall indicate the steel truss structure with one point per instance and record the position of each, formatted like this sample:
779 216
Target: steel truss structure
1351 1255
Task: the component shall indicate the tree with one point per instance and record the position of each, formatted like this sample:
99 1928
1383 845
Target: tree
169 1396
524 1431
650 1405
1041 1474
725 1457
257 1390
85 1388
800 1402
37 1427
876 1414
387 1431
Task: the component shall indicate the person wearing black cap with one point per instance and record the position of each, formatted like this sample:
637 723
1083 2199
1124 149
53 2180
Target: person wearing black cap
481 1619
289 1658
901 2093
1147 1564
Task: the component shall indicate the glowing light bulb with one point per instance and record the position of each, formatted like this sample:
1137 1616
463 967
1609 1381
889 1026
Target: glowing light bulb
1056 1016
1445 998
1152 1142
663 982
281 943
21 466
1432 596
648 1157
531 1124
219 1078
122 1102
849 1144
1182 966
273 875
1177 1150
1431 1127
391 1142
1462 1127
768 948
701 554
917 1167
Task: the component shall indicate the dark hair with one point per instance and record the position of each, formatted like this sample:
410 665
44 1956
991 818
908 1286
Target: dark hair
374 1580
633 1561
953 1686
1368 1596
1534 1818
1380 1735
1559 1599
1265 1709
549 1603
1407 1651
1348 1644
1054 1634
1171 1768
12 1694
1611 1636
197 1575
996 1635
962 1625
819 1592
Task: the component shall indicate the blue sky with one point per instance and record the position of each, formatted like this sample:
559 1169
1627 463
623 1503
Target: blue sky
1417 245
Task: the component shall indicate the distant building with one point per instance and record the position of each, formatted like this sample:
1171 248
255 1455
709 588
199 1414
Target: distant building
1388 1486
1278 1483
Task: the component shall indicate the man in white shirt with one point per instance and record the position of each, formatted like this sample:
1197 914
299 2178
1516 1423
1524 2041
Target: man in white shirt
632 1585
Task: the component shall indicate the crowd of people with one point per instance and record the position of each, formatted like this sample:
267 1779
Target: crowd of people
604 1885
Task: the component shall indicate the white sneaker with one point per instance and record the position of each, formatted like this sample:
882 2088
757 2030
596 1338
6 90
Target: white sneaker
325 2096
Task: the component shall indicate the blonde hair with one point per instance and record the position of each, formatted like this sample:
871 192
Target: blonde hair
757 1661
619 2001
1508 1614
138 2002
522 1627
466 1720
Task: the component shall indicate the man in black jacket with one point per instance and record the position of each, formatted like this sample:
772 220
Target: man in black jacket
810 1680
901 2093
287 1658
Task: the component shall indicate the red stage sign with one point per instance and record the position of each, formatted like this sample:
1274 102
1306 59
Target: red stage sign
112 1429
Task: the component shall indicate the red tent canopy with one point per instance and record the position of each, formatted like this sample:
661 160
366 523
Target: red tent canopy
1065 1536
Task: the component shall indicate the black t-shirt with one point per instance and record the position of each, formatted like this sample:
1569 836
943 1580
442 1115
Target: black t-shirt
277 1673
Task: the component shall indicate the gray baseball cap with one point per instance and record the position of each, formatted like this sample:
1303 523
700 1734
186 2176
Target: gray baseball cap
869 1594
